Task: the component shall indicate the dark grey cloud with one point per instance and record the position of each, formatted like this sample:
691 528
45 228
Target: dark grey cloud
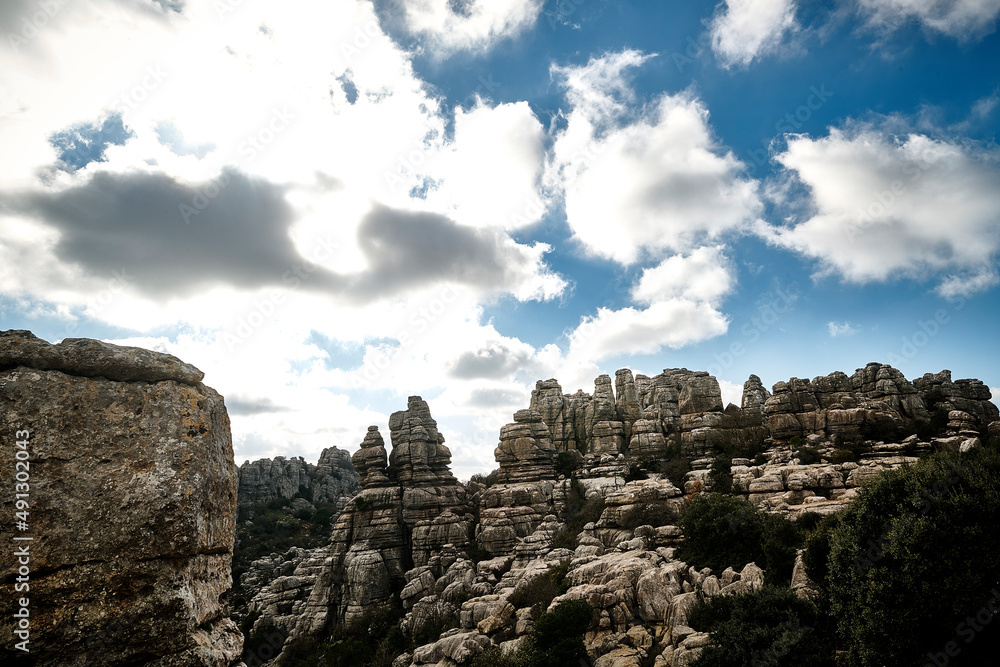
175 239
493 362
239 406
493 398
137 222
406 248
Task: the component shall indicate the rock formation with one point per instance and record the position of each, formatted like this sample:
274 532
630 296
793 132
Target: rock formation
333 480
405 535
411 513
132 505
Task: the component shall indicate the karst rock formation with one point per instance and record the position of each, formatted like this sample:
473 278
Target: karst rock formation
132 506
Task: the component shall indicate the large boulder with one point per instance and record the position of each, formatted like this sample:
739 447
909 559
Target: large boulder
131 492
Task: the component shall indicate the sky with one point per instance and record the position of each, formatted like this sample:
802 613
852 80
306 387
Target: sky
331 205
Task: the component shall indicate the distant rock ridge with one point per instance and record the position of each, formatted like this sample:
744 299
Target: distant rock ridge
132 505
332 479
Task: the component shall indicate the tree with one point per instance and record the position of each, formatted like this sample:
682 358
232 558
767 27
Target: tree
915 561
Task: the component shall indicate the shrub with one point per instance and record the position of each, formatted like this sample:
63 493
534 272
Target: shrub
579 512
661 513
721 474
555 641
807 455
722 531
770 627
915 559
539 592
566 463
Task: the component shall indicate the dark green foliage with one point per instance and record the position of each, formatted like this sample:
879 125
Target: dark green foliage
361 503
932 428
579 512
817 549
797 441
721 474
637 470
915 556
262 644
304 492
770 627
655 514
274 531
557 635
540 591
566 463
722 531
374 641
807 455
555 641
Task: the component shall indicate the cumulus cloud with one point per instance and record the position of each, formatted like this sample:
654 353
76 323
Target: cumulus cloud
704 275
884 207
732 392
638 182
671 323
743 30
838 329
490 174
466 25
962 19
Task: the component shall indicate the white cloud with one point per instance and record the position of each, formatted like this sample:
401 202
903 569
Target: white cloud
731 392
995 391
884 207
704 275
469 25
637 183
838 329
669 323
743 30
962 19
490 175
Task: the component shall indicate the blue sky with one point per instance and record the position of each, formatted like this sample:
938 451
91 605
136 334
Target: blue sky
329 206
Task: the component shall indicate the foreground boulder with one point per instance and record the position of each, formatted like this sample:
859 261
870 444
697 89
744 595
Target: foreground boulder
132 506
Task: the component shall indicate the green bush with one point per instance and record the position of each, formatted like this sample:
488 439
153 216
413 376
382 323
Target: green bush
661 513
807 455
721 474
915 559
770 627
556 640
539 592
723 531
579 512
566 463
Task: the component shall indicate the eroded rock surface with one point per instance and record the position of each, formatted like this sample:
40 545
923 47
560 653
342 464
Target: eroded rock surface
132 505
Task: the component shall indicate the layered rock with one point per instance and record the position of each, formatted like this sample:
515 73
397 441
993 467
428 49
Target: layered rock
409 511
875 401
525 452
132 495
333 480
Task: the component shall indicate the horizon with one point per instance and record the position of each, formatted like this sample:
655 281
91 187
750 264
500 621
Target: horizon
330 206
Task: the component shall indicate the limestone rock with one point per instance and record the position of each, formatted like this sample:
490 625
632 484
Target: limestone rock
333 479
85 357
525 452
132 505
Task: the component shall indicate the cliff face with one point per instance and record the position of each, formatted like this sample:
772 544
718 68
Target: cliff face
333 480
132 505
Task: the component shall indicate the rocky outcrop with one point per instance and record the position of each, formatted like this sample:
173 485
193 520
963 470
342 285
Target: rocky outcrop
647 414
131 488
332 480
411 513
525 452
876 402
